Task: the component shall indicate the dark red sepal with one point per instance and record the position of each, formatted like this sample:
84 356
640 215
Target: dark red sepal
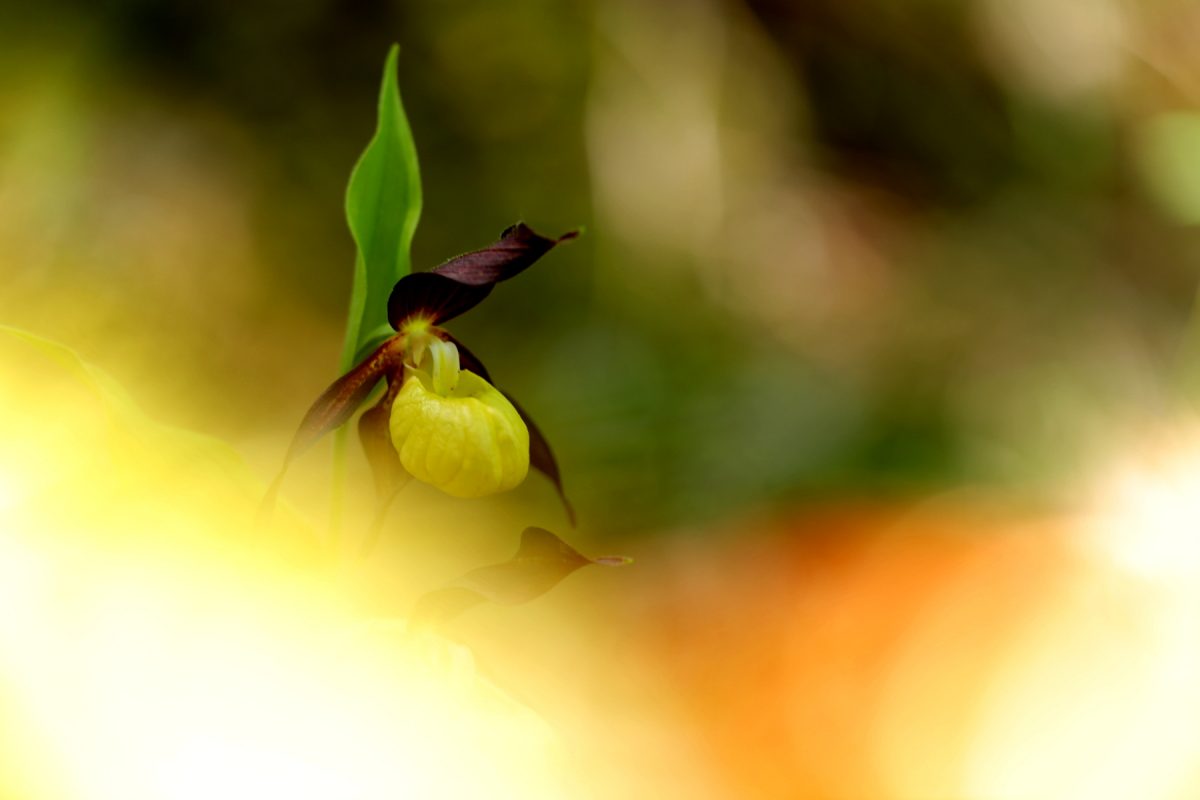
374 433
343 397
463 282
336 405
541 458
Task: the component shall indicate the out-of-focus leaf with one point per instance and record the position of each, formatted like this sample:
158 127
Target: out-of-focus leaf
125 416
71 432
383 205
463 282
540 563
1170 163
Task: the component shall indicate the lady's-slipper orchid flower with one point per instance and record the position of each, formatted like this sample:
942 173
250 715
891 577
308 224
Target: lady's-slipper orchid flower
440 419
453 430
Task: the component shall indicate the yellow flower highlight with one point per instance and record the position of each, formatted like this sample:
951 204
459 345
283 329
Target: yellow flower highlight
455 431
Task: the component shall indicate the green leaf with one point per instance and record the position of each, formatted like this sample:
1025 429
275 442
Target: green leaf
383 205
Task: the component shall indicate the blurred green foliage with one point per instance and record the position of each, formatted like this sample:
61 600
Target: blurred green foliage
833 249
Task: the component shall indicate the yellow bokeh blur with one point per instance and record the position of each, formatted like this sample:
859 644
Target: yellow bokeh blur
155 644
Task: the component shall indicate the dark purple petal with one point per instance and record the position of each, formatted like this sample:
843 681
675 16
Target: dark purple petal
541 458
433 297
516 249
463 282
335 405
539 544
339 402
374 432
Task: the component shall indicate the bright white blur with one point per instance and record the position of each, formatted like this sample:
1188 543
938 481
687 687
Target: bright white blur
149 649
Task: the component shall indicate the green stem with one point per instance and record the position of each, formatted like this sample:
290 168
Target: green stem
337 491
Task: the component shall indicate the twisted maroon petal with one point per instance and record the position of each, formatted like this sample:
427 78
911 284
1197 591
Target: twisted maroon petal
464 282
343 397
541 458
336 405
